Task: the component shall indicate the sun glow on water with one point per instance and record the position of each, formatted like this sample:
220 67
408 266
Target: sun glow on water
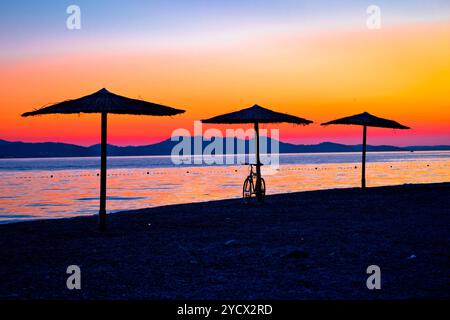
139 182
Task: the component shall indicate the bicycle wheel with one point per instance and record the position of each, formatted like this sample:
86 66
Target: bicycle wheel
263 189
247 190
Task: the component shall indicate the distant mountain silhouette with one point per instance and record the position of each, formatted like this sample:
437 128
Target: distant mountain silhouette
54 149
42 150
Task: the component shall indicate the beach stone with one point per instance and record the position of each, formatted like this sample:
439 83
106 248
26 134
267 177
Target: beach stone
296 254
230 243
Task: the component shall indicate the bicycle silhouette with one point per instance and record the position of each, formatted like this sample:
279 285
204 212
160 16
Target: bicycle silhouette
251 187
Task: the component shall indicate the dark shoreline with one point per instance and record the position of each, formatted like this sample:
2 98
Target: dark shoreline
305 245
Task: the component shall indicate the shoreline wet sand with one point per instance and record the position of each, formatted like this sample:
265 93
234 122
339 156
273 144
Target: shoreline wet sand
304 245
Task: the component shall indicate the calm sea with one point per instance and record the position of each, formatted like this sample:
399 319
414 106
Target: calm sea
65 187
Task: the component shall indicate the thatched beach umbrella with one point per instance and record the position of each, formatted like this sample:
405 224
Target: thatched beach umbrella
105 102
366 120
256 115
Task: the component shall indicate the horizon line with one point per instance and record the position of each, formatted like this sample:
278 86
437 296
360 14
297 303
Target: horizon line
291 143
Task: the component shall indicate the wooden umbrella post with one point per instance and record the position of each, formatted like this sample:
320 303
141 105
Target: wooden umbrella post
103 168
366 120
254 115
363 178
105 102
258 190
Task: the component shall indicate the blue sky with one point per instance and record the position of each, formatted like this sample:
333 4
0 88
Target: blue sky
22 21
35 28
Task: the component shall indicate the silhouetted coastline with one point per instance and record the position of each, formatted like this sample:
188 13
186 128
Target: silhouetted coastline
12 150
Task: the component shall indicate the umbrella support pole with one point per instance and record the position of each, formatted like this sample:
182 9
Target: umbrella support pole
364 147
258 190
102 212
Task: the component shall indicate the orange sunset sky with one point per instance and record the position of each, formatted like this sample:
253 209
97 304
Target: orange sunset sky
316 65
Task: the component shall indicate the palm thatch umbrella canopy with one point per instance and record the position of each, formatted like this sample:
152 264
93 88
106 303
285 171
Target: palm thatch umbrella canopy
257 115
105 102
366 120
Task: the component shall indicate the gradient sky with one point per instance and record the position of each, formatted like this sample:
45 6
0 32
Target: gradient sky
314 60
